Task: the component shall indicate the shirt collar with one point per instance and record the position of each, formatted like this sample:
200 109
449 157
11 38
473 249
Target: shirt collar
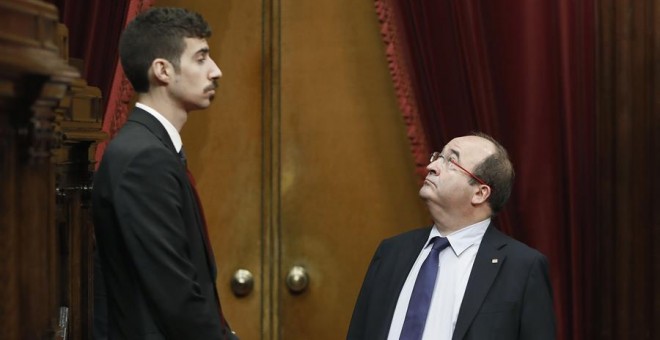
171 130
463 238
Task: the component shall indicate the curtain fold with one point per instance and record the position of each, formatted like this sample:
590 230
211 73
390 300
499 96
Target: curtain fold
121 92
398 54
521 71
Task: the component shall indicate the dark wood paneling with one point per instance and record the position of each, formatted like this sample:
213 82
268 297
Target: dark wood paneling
49 123
628 78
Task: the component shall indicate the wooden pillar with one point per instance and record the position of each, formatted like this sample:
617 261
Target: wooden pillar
45 236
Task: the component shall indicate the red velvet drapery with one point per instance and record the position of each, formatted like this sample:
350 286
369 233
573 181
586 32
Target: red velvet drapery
121 92
521 71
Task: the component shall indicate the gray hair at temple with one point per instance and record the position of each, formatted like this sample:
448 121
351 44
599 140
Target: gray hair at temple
497 171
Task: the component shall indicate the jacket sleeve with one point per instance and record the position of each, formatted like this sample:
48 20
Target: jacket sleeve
149 203
357 327
537 313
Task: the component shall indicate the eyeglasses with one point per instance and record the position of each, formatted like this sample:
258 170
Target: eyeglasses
438 156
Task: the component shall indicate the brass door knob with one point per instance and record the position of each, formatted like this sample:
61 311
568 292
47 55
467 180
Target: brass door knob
242 282
297 280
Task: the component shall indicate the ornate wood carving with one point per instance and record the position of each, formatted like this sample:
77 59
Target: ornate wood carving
79 128
49 124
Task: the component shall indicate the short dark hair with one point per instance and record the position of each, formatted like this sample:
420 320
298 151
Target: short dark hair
157 33
497 171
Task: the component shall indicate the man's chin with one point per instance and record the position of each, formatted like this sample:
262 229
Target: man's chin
200 106
424 192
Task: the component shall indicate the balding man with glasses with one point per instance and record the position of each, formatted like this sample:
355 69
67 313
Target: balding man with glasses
461 278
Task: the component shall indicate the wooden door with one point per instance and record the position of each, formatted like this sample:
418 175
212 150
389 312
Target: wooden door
302 160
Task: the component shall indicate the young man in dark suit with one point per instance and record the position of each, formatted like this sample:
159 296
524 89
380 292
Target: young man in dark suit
158 267
460 279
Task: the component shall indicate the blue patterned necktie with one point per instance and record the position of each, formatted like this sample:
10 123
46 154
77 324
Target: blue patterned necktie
420 300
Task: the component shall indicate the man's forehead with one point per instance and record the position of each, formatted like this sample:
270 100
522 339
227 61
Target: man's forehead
195 45
470 144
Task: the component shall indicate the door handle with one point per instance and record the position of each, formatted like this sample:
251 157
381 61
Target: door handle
242 282
297 280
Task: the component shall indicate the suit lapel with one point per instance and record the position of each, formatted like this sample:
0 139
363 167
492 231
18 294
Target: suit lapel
404 260
482 277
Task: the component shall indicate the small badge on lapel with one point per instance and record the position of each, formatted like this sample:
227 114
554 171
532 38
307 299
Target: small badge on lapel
494 260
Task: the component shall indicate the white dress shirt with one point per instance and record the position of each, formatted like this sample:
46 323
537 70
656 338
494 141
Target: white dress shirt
455 264
171 130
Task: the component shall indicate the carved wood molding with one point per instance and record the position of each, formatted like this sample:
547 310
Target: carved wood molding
34 76
50 122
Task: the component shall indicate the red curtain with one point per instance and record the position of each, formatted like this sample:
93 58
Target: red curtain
523 72
121 92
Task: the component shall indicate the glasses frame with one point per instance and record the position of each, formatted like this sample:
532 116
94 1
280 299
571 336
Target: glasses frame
437 155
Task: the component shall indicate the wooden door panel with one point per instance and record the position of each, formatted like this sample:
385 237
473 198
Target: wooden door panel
347 172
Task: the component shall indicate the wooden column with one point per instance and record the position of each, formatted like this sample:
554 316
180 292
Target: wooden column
44 243
80 128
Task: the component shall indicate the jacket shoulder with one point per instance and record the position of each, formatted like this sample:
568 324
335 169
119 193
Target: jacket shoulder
515 248
408 237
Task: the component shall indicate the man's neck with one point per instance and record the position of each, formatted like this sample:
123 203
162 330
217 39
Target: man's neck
173 113
447 223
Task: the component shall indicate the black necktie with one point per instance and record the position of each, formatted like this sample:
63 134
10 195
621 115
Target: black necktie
182 156
420 299
209 253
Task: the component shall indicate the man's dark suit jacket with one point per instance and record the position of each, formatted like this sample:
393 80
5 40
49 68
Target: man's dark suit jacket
510 299
159 274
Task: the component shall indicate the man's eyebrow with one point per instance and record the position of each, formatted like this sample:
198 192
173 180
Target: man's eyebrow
203 50
453 151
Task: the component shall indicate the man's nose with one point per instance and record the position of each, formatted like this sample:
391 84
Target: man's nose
216 73
434 167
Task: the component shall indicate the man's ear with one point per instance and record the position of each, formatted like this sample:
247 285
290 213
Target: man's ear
162 70
481 194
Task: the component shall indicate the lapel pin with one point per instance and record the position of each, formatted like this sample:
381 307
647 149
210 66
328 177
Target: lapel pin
494 260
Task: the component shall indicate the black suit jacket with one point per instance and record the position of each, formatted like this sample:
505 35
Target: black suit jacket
508 300
159 275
